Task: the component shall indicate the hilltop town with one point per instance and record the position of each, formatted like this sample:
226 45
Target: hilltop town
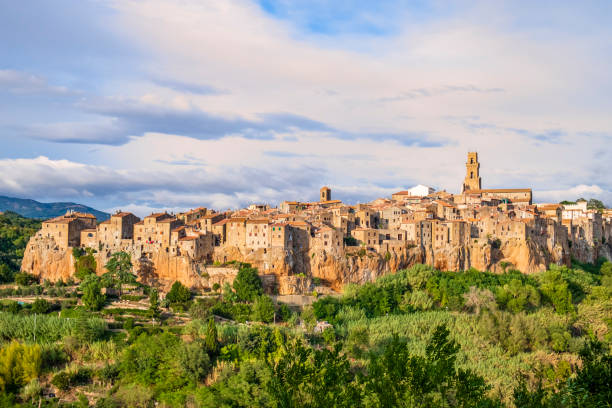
300 246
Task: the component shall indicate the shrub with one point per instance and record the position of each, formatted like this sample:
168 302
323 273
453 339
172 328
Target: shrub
555 290
19 364
92 297
247 284
64 380
194 360
128 324
31 391
263 309
24 278
40 306
179 293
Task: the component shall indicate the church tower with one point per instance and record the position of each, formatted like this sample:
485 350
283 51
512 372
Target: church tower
325 194
472 176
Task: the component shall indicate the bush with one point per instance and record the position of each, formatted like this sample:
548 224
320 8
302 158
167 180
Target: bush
132 298
247 284
19 364
92 297
179 293
64 380
128 324
263 309
61 381
40 306
555 290
25 279
194 360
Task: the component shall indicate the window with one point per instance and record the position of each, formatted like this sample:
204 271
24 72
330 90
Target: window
471 174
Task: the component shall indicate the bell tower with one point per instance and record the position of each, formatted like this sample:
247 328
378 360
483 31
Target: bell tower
325 194
472 176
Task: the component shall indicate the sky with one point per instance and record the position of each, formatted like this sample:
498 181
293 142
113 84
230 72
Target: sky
145 105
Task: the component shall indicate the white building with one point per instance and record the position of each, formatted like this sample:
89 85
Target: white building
420 190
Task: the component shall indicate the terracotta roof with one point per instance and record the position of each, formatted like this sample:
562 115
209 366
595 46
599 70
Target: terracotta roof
222 222
122 214
403 192
195 210
258 221
501 190
445 204
167 220
190 238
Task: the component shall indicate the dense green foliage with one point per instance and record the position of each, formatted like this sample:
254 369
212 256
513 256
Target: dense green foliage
247 284
92 297
420 337
15 232
84 262
119 268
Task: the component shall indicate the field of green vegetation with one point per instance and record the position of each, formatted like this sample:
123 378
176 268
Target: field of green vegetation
417 338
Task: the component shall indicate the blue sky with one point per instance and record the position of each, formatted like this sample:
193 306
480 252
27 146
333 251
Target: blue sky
146 105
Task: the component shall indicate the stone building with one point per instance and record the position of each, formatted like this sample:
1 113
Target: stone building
366 236
66 229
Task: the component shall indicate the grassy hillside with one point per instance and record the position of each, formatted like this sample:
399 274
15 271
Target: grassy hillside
15 231
35 209
421 337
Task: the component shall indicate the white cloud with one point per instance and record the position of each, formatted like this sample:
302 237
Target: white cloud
532 100
573 193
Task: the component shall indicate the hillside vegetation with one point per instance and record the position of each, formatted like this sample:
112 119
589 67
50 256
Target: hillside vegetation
15 232
418 338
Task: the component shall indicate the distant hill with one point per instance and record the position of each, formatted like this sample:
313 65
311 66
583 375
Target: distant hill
35 209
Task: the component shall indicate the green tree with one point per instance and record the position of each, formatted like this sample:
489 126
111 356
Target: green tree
119 268
247 284
263 309
211 339
594 204
179 293
84 262
92 297
398 379
154 311
194 360
555 289
6 274
40 306
24 279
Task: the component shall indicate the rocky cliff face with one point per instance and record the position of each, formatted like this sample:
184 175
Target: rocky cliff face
44 259
296 272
